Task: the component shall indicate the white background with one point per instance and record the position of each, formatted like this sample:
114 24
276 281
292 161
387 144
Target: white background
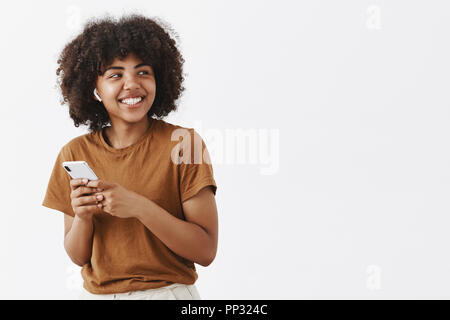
358 91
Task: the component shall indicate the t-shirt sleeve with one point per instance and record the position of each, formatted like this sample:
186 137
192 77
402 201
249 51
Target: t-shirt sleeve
195 168
58 191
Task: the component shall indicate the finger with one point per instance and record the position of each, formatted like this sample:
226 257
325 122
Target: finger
101 184
88 200
101 204
80 191
75 183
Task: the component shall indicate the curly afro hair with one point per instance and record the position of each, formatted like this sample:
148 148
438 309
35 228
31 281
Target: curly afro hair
102 40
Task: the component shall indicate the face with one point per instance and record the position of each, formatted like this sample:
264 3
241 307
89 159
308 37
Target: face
127 79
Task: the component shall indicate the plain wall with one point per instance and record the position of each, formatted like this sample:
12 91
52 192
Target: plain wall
327 125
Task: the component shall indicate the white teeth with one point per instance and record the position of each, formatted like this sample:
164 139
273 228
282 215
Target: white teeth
132 101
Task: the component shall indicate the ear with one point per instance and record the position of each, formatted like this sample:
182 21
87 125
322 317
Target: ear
96 95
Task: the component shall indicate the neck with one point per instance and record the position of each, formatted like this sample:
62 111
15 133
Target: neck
122 135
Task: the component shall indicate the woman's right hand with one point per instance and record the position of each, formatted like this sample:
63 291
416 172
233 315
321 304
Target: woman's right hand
84 201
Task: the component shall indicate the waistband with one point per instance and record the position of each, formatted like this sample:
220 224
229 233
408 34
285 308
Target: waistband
134 293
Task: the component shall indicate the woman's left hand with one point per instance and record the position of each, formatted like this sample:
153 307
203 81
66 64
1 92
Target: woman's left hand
118 201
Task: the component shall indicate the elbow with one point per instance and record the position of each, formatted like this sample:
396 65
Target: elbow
207 252
205 263
75 260
208 260
78 262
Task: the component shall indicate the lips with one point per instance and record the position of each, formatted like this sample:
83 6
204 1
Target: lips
131 97
135 105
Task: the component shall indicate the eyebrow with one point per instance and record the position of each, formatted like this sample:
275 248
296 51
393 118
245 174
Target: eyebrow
122 68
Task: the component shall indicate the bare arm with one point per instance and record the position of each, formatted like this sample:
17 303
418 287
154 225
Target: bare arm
194 239
78 239
79 230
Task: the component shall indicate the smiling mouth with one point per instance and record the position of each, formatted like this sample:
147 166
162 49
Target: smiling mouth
133 101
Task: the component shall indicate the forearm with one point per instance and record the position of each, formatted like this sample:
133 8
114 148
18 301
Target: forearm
186 239
78 241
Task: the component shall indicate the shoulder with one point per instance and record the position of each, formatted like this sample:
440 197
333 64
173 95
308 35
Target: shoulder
169 128
185 141
172 133
82 142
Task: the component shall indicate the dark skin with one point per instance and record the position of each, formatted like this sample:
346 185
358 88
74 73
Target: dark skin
194 238
123 79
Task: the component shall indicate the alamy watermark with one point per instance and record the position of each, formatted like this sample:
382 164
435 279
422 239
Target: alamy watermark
373 20
373 281
253 146
74 281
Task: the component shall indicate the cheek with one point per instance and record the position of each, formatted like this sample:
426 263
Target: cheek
112 92
151 88
150 85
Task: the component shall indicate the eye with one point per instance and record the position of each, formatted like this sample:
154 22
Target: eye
118 74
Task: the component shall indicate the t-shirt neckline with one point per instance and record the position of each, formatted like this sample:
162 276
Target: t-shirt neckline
147 134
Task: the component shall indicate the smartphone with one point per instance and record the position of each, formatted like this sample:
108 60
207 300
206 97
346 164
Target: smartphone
79 169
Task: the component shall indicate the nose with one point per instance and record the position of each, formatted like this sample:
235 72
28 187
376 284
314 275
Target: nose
131 83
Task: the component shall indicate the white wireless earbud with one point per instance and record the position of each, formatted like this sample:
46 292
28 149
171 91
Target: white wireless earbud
96 95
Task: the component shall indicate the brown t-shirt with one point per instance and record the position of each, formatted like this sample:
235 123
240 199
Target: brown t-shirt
126 255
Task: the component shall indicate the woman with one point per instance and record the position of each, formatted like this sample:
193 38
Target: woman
139 229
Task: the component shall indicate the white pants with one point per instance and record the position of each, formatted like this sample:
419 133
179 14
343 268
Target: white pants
176 291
